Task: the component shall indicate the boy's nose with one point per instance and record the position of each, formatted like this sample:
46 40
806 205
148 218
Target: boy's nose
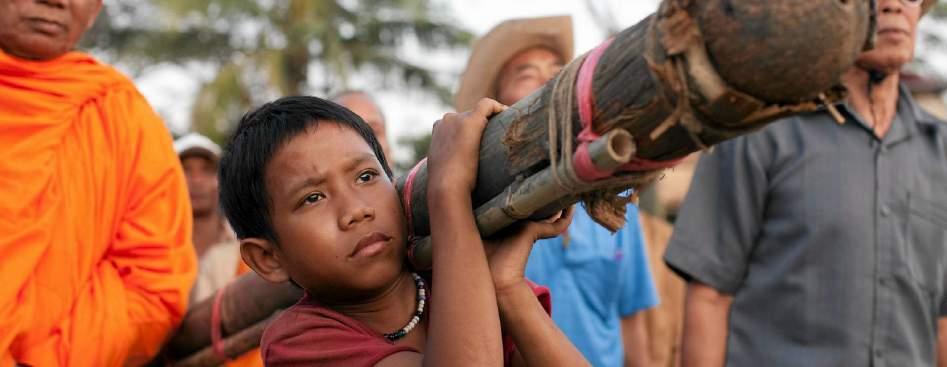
356 215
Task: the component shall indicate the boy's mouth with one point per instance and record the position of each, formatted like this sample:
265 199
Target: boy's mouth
370 245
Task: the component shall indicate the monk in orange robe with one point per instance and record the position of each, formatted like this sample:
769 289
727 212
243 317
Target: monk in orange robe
95 225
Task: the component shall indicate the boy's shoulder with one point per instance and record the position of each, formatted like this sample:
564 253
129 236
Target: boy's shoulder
308 333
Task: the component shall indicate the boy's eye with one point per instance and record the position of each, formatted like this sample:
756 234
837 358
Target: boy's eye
313 198
367 176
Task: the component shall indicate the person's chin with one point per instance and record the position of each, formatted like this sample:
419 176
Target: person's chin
37 47
889 62
379 275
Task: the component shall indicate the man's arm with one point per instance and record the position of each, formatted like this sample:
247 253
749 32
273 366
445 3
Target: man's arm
942 342
706 316
714 237
638 292
634 334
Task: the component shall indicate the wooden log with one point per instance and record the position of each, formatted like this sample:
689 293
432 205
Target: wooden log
730 65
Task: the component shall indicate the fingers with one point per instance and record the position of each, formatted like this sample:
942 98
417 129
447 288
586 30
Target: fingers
560 214
561 224
487 107
552 226
567 213
553 218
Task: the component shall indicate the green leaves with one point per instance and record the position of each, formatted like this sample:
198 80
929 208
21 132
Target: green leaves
263 49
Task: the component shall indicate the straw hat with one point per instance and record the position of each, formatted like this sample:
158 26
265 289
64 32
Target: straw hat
502 43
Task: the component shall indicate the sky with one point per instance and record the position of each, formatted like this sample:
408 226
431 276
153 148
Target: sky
170 89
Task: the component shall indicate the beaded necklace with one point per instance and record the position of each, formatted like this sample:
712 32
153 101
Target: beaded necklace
416 316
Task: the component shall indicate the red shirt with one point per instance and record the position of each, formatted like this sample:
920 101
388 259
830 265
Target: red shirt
308 334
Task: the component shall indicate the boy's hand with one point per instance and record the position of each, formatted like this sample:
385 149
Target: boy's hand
455 148
507 254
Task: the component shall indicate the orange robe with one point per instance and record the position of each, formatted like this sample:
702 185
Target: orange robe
96 260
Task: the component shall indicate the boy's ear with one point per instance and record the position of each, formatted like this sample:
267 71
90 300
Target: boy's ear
263 257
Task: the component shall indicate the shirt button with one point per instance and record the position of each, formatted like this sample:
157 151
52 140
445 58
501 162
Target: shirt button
885 210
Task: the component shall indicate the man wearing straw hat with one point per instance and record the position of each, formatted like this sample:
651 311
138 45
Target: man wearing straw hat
600 282
820 240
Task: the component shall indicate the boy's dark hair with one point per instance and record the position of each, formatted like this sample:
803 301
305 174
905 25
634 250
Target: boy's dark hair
259 135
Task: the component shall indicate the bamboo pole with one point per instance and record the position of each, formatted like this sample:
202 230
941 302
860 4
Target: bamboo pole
536 192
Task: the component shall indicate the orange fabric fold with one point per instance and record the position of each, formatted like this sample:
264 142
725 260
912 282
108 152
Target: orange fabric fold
96 258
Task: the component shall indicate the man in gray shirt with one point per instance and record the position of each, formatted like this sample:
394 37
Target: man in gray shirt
822 240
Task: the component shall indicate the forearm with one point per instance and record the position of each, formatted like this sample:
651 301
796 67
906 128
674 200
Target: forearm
538 340
465 325
635 340
706 316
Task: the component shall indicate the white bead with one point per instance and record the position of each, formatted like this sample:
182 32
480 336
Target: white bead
416 319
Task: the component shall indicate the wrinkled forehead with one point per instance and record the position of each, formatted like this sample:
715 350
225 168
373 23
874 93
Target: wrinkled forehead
319 149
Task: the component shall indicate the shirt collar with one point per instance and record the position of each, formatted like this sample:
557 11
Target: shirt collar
908 118
909 105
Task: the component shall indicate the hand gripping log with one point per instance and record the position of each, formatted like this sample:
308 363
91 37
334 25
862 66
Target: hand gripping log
691 75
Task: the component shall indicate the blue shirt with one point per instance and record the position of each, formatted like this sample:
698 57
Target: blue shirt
596 279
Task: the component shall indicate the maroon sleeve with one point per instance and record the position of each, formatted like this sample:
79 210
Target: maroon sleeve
310 335
544 298
542 294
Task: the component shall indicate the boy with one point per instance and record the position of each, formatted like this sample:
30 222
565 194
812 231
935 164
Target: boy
309 193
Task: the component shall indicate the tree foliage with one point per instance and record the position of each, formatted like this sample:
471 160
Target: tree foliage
262 49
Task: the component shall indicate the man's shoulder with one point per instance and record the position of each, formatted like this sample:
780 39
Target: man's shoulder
96 72
934 125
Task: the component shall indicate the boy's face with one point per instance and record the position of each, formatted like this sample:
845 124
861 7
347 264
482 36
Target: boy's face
337 215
